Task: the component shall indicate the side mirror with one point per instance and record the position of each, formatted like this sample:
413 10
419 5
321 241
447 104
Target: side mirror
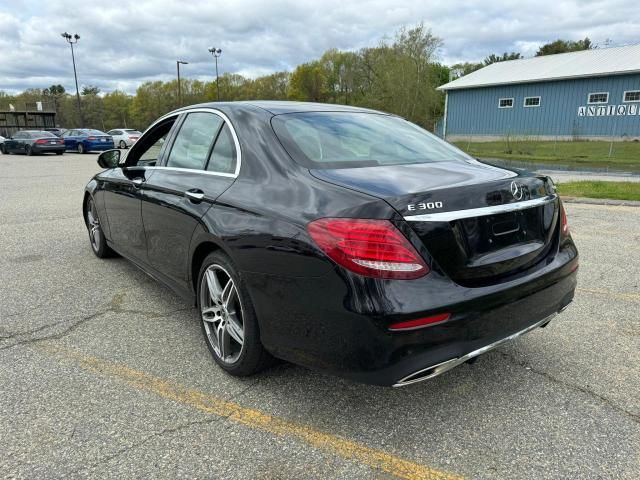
109 159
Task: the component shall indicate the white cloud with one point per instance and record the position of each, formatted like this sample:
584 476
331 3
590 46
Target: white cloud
127 42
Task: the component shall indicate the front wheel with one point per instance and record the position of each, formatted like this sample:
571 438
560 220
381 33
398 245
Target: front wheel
96 236
81 148
28 150
229 322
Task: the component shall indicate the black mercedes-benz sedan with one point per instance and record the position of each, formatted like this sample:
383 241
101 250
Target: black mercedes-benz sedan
337 238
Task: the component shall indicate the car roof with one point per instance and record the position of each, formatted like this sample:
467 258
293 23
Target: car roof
278 107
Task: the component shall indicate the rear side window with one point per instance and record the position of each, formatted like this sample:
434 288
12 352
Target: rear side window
191 147
223 155
355 139
44 134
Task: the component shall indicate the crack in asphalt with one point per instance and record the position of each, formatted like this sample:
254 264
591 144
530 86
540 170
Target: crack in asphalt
145 440
634 417
34 307
165 431
114 306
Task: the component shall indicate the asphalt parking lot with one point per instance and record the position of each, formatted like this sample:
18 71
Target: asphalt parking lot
104 372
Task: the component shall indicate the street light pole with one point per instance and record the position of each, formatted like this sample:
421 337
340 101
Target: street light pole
216 53
178 63
71 39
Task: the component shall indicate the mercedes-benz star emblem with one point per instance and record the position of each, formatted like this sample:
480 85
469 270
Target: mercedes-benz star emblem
517 191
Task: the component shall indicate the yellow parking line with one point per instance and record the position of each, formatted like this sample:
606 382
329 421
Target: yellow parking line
624 296
251 418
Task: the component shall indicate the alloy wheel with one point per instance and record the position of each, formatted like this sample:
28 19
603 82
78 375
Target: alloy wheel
93 224
221 313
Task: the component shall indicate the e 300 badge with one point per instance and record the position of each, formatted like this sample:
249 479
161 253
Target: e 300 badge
424 206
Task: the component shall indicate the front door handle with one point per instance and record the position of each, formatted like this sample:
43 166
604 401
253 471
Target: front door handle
137 182
195 195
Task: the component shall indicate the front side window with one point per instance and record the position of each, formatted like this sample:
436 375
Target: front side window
191 147
599 97
632 96
223 155
532 101
146 151
505 103
347 140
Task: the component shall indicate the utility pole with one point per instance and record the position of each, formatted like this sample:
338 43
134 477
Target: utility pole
71 39
216 53
178 63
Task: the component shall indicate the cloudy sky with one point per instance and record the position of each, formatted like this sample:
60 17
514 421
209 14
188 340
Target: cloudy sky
125 42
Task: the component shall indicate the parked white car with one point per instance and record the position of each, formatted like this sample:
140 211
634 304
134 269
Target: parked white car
2 139
124 137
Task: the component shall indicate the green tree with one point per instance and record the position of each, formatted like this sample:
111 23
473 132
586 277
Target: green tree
493 58
152 100
116 106
269 87
563 46
90 90
308 83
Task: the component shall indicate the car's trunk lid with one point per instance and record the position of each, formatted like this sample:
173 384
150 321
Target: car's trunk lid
480 223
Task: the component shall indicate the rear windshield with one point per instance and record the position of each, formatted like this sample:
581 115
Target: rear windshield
40 134
135 132
347 140
93 132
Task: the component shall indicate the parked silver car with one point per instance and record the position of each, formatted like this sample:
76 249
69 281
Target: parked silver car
124 137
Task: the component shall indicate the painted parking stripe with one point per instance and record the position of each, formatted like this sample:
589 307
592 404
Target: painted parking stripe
249 417
624 296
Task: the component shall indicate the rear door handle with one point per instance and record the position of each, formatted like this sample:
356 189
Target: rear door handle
137 182
194 195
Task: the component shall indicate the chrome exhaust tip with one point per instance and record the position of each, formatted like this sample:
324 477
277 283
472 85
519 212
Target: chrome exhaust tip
565 307
438 369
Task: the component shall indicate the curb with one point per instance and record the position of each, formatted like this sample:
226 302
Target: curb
601 201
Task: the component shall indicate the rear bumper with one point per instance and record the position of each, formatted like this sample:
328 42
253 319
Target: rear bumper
98 147
48 148
321 323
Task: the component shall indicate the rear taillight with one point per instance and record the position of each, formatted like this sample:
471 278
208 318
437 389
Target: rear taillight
91 138
564 224
374 248
41 141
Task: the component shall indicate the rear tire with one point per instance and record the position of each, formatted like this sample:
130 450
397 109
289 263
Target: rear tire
59 153
96 236
81 149
228 316
2 150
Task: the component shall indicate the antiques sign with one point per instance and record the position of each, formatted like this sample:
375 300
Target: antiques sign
608 110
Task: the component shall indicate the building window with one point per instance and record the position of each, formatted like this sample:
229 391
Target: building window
631 96
599 97
505 103
532 101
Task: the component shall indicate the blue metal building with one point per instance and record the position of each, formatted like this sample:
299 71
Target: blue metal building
580 95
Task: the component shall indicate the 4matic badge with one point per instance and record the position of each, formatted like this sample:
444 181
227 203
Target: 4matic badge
424 206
